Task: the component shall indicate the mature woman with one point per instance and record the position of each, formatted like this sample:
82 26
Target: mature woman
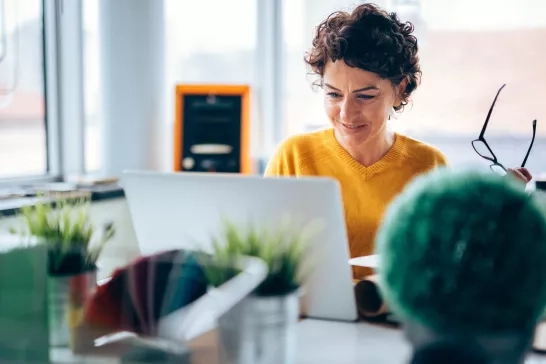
367 64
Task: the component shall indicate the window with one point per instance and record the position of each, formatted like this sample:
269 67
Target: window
91 68
205 45
213 49
466 55
23 144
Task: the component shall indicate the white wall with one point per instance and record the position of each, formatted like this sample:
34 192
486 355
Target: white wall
123 246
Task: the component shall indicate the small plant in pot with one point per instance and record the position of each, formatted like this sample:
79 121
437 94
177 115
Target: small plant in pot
74 245
267 318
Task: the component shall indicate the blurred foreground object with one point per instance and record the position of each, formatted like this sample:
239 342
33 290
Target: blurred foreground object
156 308
462 255
23 305
141 293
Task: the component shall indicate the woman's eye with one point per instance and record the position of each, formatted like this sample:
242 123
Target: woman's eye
366 97
333 94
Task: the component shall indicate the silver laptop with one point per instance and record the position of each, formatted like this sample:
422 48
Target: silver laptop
185 210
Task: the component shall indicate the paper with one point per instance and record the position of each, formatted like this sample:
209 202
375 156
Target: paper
369 261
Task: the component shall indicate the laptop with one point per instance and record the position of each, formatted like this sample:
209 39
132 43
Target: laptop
184 210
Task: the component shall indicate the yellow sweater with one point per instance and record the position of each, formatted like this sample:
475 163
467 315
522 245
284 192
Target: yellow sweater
366 190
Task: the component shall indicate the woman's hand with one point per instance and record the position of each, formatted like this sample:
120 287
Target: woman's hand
521 174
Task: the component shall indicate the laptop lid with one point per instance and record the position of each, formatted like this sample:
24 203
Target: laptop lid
184 210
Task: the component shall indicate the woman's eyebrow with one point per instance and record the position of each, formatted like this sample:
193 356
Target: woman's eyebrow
367 88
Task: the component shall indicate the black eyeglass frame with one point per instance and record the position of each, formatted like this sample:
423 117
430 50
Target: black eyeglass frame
493 159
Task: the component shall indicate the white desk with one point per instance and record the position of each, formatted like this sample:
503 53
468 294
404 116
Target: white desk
327 342
318 342
335 342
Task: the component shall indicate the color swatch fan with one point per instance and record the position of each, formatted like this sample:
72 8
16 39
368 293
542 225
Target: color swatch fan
138 295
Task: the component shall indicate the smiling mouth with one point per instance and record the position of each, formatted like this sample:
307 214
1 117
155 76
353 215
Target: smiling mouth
352 127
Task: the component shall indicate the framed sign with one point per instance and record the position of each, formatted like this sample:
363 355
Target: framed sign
212 128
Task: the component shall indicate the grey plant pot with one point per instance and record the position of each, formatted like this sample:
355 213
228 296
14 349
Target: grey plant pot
60 290
260 330
505 348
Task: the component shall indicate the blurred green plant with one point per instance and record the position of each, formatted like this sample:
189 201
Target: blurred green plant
64 225
283 248
463 250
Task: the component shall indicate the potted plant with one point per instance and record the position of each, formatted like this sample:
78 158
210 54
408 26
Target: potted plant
261 328
73 247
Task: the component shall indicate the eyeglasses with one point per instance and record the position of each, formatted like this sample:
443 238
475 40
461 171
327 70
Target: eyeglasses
484 150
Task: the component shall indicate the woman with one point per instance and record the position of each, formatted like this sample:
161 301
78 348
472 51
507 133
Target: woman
368 67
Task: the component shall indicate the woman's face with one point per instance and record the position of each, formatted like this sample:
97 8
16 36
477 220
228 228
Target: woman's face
357 102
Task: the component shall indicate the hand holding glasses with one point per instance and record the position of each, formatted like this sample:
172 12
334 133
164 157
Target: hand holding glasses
484 150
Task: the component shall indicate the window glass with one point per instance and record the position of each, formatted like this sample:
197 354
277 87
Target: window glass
211 48
23 147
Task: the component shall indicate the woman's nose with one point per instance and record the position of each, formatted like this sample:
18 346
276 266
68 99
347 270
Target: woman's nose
347 111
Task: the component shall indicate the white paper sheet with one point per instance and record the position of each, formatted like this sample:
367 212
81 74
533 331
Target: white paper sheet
369 261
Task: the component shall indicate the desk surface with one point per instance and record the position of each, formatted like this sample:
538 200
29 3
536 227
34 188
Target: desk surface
326 342
336 342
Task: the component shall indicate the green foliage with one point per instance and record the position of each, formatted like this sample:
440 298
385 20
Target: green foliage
282 248
464 251
65 226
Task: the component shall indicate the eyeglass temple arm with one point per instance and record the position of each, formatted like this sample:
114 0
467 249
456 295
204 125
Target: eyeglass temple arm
490 111
531 145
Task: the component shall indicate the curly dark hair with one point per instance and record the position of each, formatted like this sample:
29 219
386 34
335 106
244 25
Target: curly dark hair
371 39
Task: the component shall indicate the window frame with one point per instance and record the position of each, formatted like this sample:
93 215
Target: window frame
271 68
70 92
51 88
62 51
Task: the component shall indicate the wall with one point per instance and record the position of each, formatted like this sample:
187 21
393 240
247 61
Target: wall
123 246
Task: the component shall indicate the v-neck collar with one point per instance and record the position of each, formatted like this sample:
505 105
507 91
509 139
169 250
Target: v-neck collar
393 155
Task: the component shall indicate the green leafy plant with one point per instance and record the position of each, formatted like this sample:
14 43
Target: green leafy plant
283 249
64 225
